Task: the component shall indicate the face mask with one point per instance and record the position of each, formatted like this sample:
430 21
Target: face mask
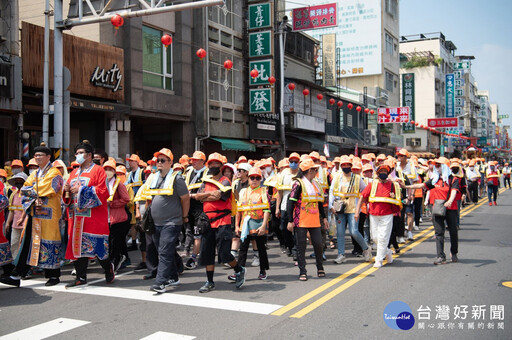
455 170
16 171
268 169
110 174
80 158
214 171
492 167
31 171
383 176
96 161
18 185
294 165
471 168
346 170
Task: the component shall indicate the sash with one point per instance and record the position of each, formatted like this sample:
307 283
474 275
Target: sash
36 241
76 236
114 188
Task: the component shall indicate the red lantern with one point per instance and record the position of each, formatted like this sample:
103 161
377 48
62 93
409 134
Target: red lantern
340 103
228 64
201 53
166 40
291 86
272 79
366 110
372 112
412 121
117 21
319 96
332 101
350 106
254 73
305 92
358 109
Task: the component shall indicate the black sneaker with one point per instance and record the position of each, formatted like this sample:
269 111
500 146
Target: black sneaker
172 283
77 283
158 288
120 263
207 287
240 278
110 275
52 281
191 264
141 266
10 281
149 276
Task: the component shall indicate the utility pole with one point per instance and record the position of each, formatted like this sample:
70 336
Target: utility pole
46 71
58 70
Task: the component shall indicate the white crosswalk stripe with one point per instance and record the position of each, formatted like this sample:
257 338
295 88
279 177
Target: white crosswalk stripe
45 330
168 336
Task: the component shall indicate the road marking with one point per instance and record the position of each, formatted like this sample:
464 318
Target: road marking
117 276
168 336
423 235
170 298
348 284
507 284
45 330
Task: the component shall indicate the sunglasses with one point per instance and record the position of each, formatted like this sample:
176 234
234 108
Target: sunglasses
255 178
161 160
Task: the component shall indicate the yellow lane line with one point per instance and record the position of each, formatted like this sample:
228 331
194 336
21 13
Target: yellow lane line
347 285
358 278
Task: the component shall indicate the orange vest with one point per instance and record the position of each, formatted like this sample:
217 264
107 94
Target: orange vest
309 214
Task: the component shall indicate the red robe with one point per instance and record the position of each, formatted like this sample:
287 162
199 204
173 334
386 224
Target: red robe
88 214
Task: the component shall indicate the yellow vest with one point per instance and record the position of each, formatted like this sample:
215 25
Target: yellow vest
354 192
114 189
219 185
245 202
168 190
318 197
398 193
196 185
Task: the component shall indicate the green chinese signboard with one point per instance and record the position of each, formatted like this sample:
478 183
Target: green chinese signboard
408 100
264 68
260 16
260 44
261 100
463 65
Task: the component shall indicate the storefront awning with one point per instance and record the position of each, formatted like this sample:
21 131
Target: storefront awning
316 144
235 144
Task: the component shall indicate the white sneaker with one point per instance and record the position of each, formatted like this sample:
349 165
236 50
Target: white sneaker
416 228
367 254
401 240
255 261
377 264
340 259
409 236
389 256
421 220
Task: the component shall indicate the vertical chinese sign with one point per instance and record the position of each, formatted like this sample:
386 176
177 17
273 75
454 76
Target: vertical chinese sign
263 119
450 95
329 60
408 100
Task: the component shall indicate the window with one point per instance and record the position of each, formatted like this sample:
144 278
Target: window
156 60
389 81
226 85
229 15
389 44
392 7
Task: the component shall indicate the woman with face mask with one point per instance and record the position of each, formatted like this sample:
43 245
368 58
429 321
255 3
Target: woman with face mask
16 219
385 201
118 218
473 178
492 177
444 186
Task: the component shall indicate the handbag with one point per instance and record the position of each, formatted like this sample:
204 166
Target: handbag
147 224
339 206
204 223
438 209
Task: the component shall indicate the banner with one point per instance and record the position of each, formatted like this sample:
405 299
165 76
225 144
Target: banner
393 115
443 122
408 100
329 60
450 95
313 17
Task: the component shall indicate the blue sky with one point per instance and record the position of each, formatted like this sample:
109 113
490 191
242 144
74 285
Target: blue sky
479 28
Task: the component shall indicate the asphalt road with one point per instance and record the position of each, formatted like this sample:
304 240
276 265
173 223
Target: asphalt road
349 303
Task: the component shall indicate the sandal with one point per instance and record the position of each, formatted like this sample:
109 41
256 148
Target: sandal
303 277
321 273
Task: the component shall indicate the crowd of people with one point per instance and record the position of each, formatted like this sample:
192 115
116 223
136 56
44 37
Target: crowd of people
203 211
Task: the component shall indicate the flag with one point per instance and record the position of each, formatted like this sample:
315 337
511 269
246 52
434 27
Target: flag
326 150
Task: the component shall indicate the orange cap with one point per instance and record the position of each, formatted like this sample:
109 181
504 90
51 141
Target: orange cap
283 163
403 152
272 160
58 164
109 164
165 152
308 164
215 157
443 160
367 167
16 162
366 157
381 157
384 165
323 159
32 161
183 160
73 164
294 155
121 169
251 162
315 155
148 169
357 165
337 159
255 171
177 166
134 158
3 173
345 160
242 159
264 163
152 161
305 156
224 160
143 164
372 155
198 155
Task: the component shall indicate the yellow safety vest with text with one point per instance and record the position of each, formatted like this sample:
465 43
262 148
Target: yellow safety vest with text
396 201
354 192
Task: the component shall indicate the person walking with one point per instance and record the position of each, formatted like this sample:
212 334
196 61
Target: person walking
304 210
492 178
